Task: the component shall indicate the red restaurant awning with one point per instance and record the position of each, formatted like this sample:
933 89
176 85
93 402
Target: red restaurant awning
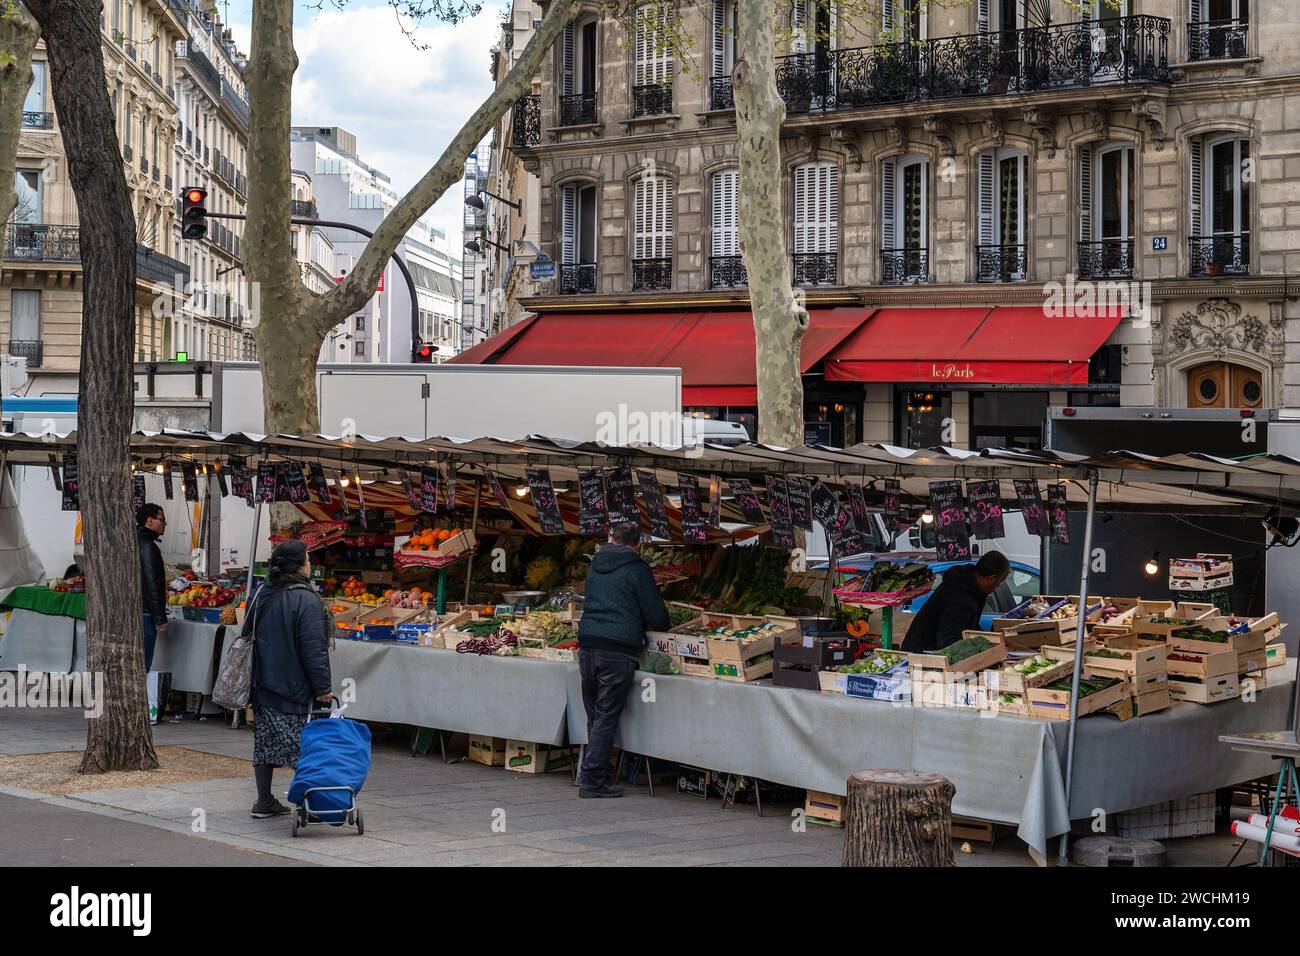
1001 345
714 350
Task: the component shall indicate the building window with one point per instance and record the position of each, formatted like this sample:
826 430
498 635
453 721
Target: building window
724 54
652 233
904 20
361 323
578 53
921 418
726 266
1107 205
578 215
1218 29
25 325
1001 254
652 74
30 199
816 224
1219 243
35 100
904 220
360 348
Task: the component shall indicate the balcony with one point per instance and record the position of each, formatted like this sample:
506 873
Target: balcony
1219 255
167 183
28 350
578 109
1036 59
904 266
727 272
303 209
721 96
1218 40
171 93
156 173
1106 259
526 121
36 120
815 268
158 81
128 153
189 137
144 164
203 67
577 279
1007 263
41 242
652 275
129 47
654 99
153 266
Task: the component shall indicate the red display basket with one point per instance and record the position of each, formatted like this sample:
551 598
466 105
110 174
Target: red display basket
316 534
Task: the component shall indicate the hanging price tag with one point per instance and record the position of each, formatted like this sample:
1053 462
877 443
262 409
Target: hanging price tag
984 509
693 530
953 538
655 505
190 480
1031 507
548 509
801 515
1060 513
429 489
322 487
620 496
743 493
593 518
71 483
778 504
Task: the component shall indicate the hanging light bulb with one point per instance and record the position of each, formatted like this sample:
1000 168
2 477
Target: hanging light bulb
344 481
927 516
521 491
159 469
1152 567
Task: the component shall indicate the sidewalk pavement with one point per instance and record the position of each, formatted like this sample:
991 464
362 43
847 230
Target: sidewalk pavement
421 811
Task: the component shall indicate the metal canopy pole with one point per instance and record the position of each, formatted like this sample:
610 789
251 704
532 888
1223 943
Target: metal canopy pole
473 527
252 555
1064 857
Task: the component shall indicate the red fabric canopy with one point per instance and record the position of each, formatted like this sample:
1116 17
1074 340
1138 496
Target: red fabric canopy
714 350
1021 345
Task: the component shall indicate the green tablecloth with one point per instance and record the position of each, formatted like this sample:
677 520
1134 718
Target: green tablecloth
45 601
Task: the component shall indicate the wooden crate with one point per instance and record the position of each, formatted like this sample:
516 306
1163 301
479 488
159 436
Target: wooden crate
741 672
1275 655
1249 662
1202 665
969 828
976 662
831 682
1128 611
523 756
489 751
1018 707
1152 701
740 651
1249 641
1005 680
1066 651
1146 657
661 641
696 668
1183 611
824 807
1210 690
1149 683
1055 704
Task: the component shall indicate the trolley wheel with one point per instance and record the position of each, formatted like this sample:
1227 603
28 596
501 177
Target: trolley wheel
361 826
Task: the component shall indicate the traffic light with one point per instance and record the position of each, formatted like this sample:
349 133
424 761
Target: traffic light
424 353
194 214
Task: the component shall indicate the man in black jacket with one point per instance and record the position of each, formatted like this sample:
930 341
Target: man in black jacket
151 523
623 602
958 603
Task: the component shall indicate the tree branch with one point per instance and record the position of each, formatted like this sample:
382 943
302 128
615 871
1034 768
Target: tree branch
18 36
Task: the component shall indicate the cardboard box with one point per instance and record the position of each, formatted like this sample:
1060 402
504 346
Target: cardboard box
1205 572
894 684
661 642
522 756
1211 690
380 623
826 807
489 751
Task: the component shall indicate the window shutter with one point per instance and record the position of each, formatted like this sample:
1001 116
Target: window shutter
664 205
799 25
924 18
724 239
886 15
1195 14
662 52
987 198
800 206
830 212
1085 194
982 16
568 224
566 77
1197 185
639 58
25 308
720 38
888 205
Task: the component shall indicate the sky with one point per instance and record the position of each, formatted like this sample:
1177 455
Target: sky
357 70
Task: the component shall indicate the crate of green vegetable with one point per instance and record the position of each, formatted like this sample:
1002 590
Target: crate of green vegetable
1008 703
746 643
1052 702
1032 671
976 651
1212 634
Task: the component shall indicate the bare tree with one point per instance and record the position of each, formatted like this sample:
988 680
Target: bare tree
120 739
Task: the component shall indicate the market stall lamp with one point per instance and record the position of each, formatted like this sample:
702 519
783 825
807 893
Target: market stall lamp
1152 567
159 469
521 491
927 517
344 481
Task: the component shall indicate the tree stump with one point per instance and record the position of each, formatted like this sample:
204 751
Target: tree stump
898 818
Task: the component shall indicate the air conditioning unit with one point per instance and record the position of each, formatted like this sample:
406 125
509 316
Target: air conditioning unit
13 374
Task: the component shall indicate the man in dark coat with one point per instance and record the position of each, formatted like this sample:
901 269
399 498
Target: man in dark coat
150 525
958 603
623 602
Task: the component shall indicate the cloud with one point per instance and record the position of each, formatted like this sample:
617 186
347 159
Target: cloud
357 70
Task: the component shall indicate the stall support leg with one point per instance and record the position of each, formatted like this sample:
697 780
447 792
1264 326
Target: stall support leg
1286 775
442 591
473 527
887 628
1063 857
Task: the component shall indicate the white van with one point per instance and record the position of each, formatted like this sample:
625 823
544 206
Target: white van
715 430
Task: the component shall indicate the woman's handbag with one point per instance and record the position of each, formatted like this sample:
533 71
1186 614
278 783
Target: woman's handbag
235 679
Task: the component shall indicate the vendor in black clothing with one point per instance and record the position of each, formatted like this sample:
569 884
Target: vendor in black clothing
958 603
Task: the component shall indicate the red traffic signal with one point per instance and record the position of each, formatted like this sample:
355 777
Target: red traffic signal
424 353
194 213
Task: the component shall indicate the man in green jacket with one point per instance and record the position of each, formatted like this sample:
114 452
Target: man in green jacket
623 602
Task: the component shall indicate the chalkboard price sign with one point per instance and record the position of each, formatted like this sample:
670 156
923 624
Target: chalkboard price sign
656 507
858 506
137 492
715 501
893 505
984 509
693 530
449 483
221 479
495 484
778 503
548 509
620 497
835 518
746 500
593 517
343 494
1060 514
190 480
265 482
1031 507
429 489
322 487
71 483
298 492
801 515
953 538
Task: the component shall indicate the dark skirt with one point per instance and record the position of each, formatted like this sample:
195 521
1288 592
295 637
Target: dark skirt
277 736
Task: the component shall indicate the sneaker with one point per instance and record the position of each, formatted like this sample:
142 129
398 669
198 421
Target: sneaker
602 793
273 809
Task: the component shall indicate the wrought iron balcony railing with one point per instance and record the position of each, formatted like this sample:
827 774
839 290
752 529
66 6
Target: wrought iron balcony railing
189 137
721 95
815 268
1218 40
526 121
904 266
42 242
652 274
37 120
130 50
1219 255
303 209
1035 59
577 278
32 351
144 163
127 152
1106 259
1007 263
156 172
727 272
655 99
167 183
578 109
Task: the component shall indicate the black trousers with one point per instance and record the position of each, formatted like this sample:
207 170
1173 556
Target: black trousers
606 680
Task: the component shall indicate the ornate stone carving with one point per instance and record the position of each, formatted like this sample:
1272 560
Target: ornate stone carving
897 135
1043 123
1219 326
846 138
1151 110
938 128
992 127
1099 120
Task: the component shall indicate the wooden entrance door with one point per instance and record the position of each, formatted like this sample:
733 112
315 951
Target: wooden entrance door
1224 385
